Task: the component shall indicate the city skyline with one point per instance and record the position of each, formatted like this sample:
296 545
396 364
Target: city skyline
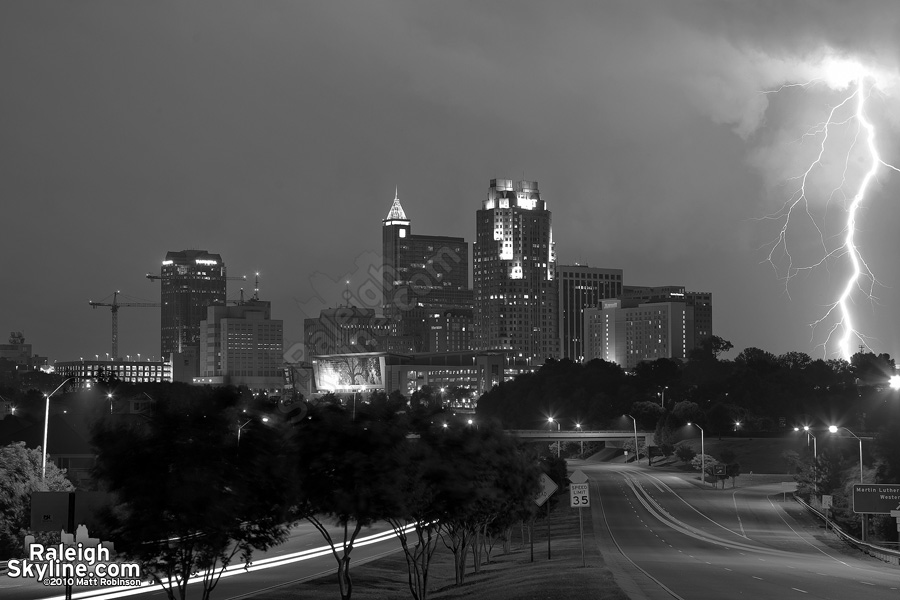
275 136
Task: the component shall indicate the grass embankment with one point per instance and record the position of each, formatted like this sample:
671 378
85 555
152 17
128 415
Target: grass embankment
508 577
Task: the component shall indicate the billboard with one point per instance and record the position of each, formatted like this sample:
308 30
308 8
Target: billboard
349 372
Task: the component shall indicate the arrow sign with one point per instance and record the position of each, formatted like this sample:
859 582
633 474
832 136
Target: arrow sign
548 486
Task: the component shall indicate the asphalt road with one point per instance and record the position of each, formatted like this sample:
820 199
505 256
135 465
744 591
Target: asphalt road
303 556
666 537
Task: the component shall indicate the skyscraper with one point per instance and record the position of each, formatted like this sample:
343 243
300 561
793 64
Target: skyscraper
581 287
515 287
191 280
421 274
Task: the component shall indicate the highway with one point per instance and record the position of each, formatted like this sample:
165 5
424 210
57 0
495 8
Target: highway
666 537
303 556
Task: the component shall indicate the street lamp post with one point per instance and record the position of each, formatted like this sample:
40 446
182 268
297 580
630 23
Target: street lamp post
702 454
264 420
46 422
578 427
809 434
865 517
551 420
662 396
637 455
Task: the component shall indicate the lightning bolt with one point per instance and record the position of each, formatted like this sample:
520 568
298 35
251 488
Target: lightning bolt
851 114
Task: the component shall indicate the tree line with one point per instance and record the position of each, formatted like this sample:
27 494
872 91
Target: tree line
183 473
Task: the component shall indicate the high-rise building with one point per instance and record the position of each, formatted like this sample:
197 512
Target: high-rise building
242 345
516 301
348 329
581 287
701 302
421 273
628 332
191 281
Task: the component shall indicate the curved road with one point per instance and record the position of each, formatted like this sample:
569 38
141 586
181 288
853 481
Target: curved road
666 537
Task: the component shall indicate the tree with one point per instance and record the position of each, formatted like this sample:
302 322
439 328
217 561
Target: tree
20 475
189 499
685 453
346 471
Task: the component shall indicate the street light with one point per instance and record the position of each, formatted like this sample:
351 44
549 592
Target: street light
809 434
637 455
264 420
894 382
46 422
662 396
550 420
834 429
109 397
578 427
702 453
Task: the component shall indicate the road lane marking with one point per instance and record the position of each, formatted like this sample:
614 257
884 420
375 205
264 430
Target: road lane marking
866 583
799 590
755 577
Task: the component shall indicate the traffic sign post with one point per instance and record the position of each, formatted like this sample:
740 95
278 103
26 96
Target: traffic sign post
579 497
827 501
548 487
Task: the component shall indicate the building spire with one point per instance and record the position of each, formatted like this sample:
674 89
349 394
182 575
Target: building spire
396 213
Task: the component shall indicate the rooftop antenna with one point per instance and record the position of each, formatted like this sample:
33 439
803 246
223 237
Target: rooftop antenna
256 287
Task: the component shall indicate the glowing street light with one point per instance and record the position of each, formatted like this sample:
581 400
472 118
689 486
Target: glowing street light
578 427
702 453
662 396
637 455
834 429
46 422
264 420
550 421
894 382
809 434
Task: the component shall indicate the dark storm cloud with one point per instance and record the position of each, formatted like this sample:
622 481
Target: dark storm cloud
274 133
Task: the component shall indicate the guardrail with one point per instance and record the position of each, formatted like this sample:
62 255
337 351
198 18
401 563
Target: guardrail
879 552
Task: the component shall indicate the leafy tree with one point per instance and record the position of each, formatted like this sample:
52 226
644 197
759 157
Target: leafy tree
189 499
20 475
345 471
706 462
685 453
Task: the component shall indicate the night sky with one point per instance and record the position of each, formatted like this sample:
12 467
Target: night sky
275 133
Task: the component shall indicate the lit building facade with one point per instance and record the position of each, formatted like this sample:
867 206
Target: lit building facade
242 345
628 332
449 330
515 287
138 371
348 329
581 287
701 302
191 281
387 372
421 273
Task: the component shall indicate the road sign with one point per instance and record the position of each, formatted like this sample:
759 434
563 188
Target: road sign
719 469
826 501
548 486
876 498
579 496
578 477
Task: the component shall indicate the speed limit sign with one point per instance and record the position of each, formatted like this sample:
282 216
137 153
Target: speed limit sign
578 495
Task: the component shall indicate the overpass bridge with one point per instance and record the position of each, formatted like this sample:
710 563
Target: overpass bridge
617 435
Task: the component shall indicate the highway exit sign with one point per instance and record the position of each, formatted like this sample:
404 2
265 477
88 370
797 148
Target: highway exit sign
876 498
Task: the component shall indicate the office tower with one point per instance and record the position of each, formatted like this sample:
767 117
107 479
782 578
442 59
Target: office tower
701 302
449 330
191 281
581 287
516 302
348 329
628 332
421 273
242 345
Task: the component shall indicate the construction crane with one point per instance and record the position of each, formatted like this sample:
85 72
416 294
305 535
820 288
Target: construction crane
114 308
